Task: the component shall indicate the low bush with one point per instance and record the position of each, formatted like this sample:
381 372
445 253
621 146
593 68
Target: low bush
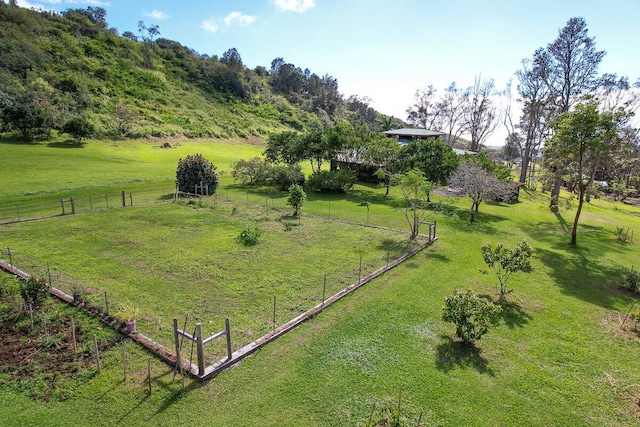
34 291
249 236
631 280
471 314
332 181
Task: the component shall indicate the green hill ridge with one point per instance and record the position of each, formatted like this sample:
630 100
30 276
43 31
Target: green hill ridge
58 66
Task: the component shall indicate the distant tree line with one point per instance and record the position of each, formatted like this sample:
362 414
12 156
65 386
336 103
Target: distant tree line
549 85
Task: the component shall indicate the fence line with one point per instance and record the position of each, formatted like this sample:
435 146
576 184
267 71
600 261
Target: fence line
198 370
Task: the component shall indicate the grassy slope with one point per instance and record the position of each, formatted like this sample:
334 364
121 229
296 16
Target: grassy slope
557 358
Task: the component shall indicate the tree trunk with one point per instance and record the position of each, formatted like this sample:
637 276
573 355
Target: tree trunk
574 230
524 165
416 223
555 194
473 212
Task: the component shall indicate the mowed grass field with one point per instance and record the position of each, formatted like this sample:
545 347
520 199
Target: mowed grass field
557 357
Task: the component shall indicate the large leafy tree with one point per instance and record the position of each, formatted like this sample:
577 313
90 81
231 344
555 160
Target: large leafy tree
284 147
583 140
434 158
382 153
569 68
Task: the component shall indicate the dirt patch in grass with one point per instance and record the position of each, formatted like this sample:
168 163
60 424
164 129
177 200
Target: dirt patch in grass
47 365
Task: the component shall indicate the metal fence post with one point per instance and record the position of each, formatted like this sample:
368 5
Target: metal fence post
200 349
228 328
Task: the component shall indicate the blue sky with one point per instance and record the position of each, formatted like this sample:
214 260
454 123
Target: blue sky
383 49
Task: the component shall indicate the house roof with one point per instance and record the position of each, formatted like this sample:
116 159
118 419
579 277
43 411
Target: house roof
460 151
411 132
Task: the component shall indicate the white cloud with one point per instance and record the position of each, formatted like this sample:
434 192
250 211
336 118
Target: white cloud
157 14
210 25
239 19
234 18
91 2
25 4
299 6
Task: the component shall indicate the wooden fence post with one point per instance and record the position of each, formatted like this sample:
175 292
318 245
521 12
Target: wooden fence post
106 302
95 341
124 364
274 314
73 336
149 374
200 349
62 203
177 338
324 290
73 205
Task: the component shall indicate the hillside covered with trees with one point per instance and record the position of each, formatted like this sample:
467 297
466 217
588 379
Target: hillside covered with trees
71 67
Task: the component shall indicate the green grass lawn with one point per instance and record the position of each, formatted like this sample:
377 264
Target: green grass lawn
557 357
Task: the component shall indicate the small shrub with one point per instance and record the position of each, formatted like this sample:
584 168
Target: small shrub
504 261
249 236
34 291
631 280
470 313
78 128
622 234
288 225
296 199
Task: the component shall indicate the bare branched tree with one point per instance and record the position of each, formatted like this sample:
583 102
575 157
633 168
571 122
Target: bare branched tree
477 184
480 115
452 108
424 112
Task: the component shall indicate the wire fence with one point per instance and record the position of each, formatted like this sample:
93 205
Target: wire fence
271 201
12 210
257 318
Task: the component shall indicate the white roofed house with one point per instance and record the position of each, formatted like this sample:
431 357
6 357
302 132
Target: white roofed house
349 159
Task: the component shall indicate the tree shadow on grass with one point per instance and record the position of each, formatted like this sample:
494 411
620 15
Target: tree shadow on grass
69 143
172 385
451 354
437 256
483 222
582 276
512 314
394 248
